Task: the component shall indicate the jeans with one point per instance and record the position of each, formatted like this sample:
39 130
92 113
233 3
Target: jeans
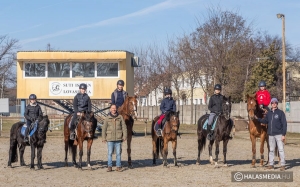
273 140
117 145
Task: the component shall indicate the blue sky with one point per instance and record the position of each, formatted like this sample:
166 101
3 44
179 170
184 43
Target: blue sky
123 25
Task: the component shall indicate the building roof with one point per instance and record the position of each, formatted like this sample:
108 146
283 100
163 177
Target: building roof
77 51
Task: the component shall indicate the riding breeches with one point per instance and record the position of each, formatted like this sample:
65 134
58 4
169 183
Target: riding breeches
211 118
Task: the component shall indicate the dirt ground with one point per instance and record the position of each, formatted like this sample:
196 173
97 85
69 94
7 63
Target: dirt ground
143 173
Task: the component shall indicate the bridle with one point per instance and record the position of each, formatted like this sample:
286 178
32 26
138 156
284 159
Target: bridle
172 126
131 112
41 130
225 107
252 109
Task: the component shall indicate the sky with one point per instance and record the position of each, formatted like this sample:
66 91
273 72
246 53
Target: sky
125 25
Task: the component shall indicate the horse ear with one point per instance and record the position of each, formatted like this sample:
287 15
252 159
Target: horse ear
135 96
92 113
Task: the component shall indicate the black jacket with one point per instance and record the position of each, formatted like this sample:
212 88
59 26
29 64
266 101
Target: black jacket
276 122
215 103
82 102
32 112
118 97
168 104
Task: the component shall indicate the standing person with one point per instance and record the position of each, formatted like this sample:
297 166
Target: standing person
215 108
114 131
81 103
32 112
263 96
277 126
119 95
168 104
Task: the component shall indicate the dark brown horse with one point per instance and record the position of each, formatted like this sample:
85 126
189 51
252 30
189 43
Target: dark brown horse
129 111
169 133
85 131
221 132
256 129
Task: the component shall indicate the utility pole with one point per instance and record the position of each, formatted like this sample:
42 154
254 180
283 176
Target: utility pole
283 59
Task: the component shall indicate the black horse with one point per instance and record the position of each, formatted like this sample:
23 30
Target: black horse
221 132
36 141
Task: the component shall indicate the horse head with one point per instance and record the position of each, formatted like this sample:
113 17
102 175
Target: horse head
132 106
226 107
251 106
43 124
87 120
173 119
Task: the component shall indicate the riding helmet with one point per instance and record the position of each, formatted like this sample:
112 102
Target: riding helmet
83 86
120 82
167 91
262 84
218 87
32 96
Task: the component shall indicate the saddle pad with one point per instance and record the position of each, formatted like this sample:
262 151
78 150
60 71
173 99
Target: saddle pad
32 130
214 123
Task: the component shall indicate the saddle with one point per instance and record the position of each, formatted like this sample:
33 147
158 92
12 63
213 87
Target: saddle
76 121
213 123
33 128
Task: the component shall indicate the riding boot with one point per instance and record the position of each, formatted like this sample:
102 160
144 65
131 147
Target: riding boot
72 132
210 132
26 135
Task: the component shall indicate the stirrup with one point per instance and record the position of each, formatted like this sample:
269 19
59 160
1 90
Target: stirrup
72 136
158 132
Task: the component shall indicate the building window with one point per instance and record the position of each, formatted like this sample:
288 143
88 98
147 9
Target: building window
108 69
58 69
200 101
83 69
35 69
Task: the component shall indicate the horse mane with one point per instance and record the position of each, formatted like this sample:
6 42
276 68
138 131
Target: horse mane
171 113
89 116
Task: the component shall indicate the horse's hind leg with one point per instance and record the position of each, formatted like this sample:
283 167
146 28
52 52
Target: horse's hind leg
225 142
129 138
262 143
174 145
253 140
217 151
89 147
165 153
21 151
199 151
210 152
39 157
66 153
32 156
80 143
154 151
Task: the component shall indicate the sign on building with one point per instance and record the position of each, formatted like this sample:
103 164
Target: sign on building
68 88
4 105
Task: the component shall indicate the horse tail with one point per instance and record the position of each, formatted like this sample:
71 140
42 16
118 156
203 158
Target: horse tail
201 134
160 144
13 153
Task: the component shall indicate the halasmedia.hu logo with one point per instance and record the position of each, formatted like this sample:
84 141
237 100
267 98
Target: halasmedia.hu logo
249 176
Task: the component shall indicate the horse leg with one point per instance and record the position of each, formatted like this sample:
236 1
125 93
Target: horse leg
217 151
80 143
268 146
199 150
66 153
225 142
174 145
129 138
39 157
32 156
253 140
262 143
89 147
74 153
21 151
154 150
210 152
165 152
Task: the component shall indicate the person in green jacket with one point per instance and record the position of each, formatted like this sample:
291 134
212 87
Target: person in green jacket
114 132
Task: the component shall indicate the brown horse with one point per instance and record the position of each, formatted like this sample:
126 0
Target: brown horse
129 111
169 133
256 129
85 131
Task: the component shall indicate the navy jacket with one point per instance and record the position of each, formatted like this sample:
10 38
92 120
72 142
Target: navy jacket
118 97
168 104
215 103
82 102
276 122
32 112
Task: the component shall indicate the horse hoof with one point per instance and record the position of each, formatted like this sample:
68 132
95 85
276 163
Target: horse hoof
252 166
41 167
225 165
9 166
32 168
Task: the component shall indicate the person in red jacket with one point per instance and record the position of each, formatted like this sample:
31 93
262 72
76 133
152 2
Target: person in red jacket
263 96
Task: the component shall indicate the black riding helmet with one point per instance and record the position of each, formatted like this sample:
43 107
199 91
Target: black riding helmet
32 96
83 86
218 87
262 84
167 91
120 82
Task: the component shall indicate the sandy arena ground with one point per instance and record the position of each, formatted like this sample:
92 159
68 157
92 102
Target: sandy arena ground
143 173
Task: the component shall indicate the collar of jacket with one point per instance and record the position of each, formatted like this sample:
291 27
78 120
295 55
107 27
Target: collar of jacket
33 104
113 117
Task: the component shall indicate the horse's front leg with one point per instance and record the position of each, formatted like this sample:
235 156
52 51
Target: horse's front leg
66 152
21 151
39 156
165 152
262 144
129 138
32 156
154 150
174 146
225 142
253 140
217 151
80 143
210 152
89 147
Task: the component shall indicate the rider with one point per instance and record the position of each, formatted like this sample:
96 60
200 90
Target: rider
119 95
32 112
263 96
215 107
167 105
81 103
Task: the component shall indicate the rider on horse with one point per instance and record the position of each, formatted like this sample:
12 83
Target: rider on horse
167 105
263 96
81 103
119 95
32 112
215 108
